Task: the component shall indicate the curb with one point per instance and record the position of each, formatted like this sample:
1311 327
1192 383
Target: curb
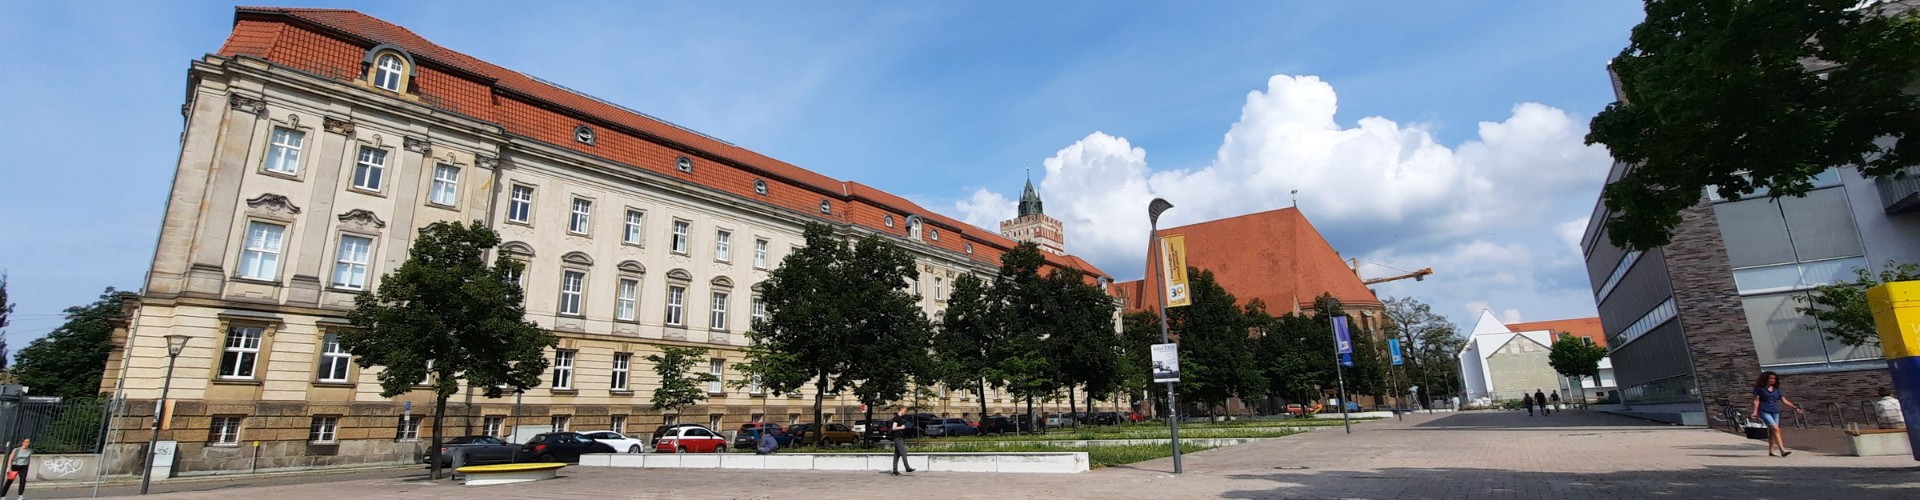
132 480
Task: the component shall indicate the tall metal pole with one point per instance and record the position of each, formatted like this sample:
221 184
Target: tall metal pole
158 411
1339 370
1153 242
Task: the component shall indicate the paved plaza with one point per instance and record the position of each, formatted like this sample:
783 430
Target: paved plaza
1467 455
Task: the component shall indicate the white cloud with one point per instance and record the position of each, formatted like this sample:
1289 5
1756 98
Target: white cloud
1491 215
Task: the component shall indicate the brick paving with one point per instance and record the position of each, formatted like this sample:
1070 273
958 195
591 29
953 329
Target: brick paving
1470 455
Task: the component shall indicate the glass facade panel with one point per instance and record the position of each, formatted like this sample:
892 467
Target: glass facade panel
1821 225
1781 335
1754 232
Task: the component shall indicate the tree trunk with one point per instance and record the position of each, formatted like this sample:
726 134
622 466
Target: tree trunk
439 411
1031 421
819 419
1071 408
983 399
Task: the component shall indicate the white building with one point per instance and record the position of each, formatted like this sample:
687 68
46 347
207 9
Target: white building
1507 361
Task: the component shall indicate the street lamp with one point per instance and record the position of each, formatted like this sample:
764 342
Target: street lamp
175 343
1154 209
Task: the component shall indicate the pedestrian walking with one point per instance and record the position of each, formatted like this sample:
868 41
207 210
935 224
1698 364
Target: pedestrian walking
897 431
1767 398
1527 400
1887 411
1556 399
17 461
1540 398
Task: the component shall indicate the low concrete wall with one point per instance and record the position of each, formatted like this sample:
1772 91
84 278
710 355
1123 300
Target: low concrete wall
1080 443
1038 462
1880 444
65 467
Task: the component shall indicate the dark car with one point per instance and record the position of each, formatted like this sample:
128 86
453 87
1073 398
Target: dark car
749 436
997 425
560 447
951 427
662 431
874 430
479 450
1108 418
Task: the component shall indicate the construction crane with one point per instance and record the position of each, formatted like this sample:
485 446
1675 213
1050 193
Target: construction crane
1420 275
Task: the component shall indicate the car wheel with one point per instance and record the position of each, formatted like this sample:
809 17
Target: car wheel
633 449
682 449
721 448
548 457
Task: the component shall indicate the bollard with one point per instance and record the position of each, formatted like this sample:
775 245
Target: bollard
1896 314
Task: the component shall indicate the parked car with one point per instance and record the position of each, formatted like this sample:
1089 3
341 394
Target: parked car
619 442
1059 420
951 427
480 450
749 436
1108 418
834 434
691 439
997 425
664 430
560 447
873 430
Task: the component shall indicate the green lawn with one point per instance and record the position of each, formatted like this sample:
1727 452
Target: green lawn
1097 456
1141 432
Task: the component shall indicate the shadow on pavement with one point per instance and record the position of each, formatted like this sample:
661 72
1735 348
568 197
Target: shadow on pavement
1776 481
1518 420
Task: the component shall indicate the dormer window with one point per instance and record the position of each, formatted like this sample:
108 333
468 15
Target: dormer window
388 68
386 74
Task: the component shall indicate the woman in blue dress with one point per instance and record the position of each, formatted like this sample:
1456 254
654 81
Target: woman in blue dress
1767 398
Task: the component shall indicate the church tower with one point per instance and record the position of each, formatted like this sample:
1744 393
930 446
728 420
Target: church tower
1034 225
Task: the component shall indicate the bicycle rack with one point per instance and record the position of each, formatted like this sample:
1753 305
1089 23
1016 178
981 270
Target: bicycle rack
1800 420
1867 413
1834 409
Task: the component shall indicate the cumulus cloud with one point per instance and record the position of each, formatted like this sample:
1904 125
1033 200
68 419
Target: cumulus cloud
1492 215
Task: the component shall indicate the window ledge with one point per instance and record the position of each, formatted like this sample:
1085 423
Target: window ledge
235 381
620 392
365 191
522 223
225 445
342 289
443 206
756 394
258 281
716 394
295 176
1835 367
333 383
568 392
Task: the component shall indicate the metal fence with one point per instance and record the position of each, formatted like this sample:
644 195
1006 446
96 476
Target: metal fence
55 425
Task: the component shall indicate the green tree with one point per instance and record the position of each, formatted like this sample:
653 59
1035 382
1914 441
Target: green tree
6 309
965 344
1754 96
447 317
1296 353
68 361
1082 340
1024 361
838 318
1576 357
1216 350
680 386
1139 331
1429 342
1841 307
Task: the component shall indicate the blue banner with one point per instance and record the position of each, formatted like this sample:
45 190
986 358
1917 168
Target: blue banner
1346 359
1340 337
1393 345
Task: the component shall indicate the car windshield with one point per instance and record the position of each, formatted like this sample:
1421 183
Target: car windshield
537 438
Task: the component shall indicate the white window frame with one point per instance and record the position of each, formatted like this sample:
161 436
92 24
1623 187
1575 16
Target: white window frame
573 291
242 346
717 367
445 188
560 423
618 423
224 430
622 372
723 245
408 428
635 227
335 362
520 210
626 301
369 169
492 425
939 288
754 385
676 305
718 320
350 265
760 253
681 240
563 370
388 71
759 306
260 256
284 145
324 429
580 218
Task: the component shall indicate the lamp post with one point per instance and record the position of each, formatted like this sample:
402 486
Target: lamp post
1153 242
175 344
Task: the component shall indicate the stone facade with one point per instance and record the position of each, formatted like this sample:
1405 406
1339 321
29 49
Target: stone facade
301 181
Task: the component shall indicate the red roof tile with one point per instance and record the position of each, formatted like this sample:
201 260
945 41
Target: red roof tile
1579 327
1276 256
533 108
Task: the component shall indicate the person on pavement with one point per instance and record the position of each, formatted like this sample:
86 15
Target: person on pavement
897 431
1767 398
1540 398
1527 400
17 461
1556 399
767 444
1886 409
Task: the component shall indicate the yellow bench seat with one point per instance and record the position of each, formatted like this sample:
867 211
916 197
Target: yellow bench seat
482 475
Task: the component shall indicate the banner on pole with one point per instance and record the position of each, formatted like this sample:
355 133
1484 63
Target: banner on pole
1166 363
1346 359
1393 346
1173 270
1340 335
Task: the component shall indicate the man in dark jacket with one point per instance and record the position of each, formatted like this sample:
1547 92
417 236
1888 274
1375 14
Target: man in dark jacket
1540 398
897 432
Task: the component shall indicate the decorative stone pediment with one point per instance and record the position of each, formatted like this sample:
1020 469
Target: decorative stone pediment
580 258
246 104
632 266
723 281
680 274
362 218
517 248
486 162
417 145
337 125
759 287
272 205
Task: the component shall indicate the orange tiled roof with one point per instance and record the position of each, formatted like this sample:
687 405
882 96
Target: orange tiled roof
332 43
1275 256
1579 327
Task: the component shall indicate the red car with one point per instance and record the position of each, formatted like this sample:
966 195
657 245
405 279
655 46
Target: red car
691 439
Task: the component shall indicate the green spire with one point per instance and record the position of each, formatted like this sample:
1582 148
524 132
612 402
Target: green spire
1029 201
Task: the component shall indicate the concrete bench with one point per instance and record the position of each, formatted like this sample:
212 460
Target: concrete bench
1879 442
1064 462
482 475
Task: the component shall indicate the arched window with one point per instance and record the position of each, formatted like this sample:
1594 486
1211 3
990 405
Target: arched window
388 67
387 73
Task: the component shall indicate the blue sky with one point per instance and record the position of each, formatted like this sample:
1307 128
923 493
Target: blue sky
946 103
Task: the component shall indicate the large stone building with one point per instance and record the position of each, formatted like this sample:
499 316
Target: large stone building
1276 257
317 142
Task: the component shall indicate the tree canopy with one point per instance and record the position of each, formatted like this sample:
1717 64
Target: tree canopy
1841 308
1429 343
680 386
1216 348
1754 96
450 319
68 361
6 309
